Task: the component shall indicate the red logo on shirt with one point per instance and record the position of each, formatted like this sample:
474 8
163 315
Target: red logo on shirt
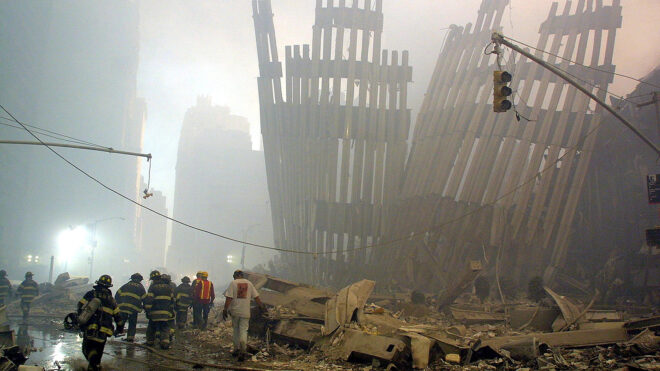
242 290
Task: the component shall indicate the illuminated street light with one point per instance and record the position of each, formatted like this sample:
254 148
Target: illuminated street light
230 259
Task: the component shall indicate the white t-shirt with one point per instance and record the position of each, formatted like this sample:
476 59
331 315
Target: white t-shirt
241 291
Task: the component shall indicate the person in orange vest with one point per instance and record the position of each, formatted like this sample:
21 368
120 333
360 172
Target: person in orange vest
203 297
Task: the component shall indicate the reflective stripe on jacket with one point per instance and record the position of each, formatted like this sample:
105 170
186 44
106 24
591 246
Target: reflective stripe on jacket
183 297
129 297
5 287
204 292
28 290
159 303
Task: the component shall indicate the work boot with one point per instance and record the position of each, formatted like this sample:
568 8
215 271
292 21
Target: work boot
235 353
129 340
164 345
149 343
241 356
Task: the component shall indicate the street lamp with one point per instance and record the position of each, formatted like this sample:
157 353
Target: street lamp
245 234
95 242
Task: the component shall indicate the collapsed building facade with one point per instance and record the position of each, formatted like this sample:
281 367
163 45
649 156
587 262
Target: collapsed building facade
355 201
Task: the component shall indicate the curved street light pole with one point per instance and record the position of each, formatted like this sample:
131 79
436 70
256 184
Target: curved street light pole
245 234
95 242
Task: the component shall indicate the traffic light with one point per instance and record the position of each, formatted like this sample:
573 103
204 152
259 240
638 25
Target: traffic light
501 91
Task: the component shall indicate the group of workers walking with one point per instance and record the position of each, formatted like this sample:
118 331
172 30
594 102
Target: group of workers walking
166 307
165 304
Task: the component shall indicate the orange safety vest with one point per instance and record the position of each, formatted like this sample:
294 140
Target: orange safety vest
205 292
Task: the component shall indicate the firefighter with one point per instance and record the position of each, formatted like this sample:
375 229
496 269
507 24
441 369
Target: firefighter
129 297
172 326
183 302
203 296
97 329
5 287
159 306
28 290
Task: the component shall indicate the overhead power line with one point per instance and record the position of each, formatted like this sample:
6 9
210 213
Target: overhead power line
55 135
583 65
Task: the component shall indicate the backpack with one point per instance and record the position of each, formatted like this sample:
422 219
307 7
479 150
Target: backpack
88 311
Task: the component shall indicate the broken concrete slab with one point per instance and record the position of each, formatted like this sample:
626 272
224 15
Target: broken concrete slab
471 314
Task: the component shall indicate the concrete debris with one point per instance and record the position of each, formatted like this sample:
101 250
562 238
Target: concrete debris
352 328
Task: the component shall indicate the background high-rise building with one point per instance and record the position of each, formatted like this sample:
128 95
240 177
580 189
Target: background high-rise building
220 186
74 74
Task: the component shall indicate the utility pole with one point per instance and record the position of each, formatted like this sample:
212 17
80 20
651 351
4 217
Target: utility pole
245 234
499 39
89 148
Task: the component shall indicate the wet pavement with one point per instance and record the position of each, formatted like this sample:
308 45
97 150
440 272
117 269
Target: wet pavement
54 348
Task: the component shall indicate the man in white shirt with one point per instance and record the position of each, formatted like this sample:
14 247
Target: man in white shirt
237 303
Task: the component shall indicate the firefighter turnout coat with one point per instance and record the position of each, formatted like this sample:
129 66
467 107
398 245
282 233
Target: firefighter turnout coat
159 303
183 297
28 290
130 296
100 326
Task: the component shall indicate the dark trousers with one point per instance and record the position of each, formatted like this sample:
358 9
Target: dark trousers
93 351
2 300
25 307
181 318
131 319
162 328
201 314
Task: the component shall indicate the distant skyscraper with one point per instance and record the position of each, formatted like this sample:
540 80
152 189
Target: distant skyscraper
70 67
220 186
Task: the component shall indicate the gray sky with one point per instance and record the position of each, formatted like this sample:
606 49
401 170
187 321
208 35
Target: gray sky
201 47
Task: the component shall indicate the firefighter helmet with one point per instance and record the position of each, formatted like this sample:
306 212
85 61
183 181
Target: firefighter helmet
29 275
105 281
3 273
137 277
166 278
185 279
154 275
205 274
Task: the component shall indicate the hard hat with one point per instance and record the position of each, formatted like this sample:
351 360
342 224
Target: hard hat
154 275
185 279
3 273
238 273
105 281
28 274
205 274
137 276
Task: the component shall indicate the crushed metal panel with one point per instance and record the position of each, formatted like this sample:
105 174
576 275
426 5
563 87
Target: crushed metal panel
358 345
349 301
542 320
570 308
567 339
299 332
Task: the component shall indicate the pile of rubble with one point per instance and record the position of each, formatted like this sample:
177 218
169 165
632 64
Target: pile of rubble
318 326
54 300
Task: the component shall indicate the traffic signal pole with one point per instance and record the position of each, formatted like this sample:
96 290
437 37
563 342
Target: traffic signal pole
499 39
